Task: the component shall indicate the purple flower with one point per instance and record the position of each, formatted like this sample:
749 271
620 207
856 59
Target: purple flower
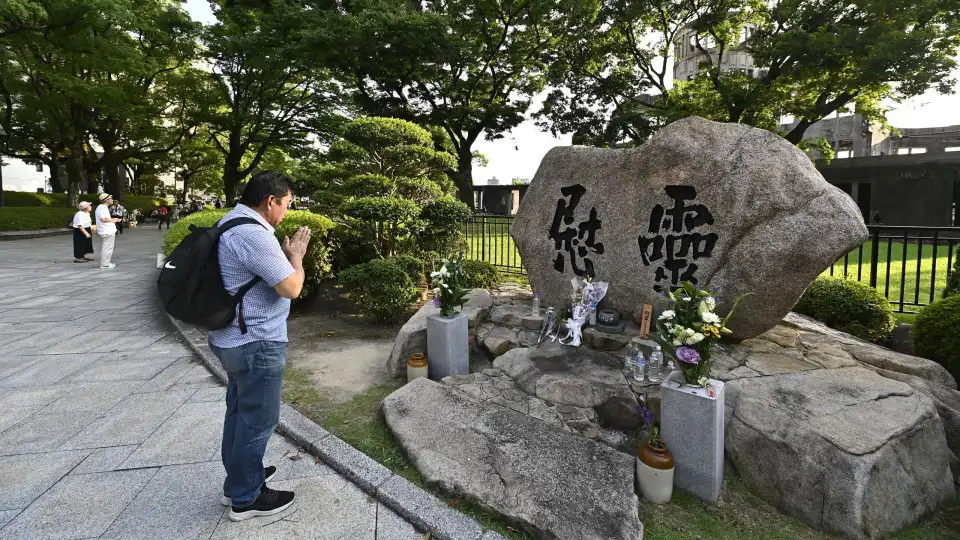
645 412
688 355
436 302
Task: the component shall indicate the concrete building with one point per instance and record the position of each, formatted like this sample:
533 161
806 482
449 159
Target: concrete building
688 57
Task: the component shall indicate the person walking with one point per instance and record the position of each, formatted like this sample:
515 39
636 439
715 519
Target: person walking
82 233
163 216
253 349
106 230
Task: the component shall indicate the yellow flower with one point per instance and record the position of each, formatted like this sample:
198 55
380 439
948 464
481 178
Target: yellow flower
711 331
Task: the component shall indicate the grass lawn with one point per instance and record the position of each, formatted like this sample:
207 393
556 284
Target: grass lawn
491 241
906 261
740 516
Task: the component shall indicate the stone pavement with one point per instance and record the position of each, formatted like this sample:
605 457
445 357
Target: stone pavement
110 428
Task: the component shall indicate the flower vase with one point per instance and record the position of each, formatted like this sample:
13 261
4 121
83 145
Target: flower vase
448 349
655 467
692 423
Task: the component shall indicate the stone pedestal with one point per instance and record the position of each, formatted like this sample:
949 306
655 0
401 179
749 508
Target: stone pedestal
691 423
448 350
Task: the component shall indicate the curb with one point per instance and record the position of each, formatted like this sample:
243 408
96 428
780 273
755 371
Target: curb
26 235
421 508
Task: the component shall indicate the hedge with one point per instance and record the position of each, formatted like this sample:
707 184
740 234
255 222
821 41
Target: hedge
380 287
316 264
31 218
144 203
935 333
848 306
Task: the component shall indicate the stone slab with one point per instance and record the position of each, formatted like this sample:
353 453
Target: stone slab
300 429
137 368
97 397
426 511
198 377
692 425
213 393
105 459
366 473
15 415
25 477
292 462
82 343
43 433
126 423
49 370
79 506
32 396
845 450
390 526
193 433
509 462
325 507
12 364
169 376
180 501
6 516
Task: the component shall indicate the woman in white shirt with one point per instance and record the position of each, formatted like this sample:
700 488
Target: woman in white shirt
82 234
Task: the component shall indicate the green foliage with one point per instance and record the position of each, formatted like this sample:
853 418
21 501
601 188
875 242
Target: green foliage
31 218
480 275
442 220
377 179
935 333
612 84
848 306
380 287
413 267
953 280
470 69
316 262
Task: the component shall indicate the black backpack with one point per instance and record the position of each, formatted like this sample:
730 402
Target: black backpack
191 286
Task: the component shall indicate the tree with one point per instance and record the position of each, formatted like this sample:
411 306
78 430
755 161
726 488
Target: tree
470 68
818 58
378 179
265 91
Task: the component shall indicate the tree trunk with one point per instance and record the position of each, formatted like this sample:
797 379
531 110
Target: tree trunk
186 185
463 177
56 183
75 176
231 178
111 168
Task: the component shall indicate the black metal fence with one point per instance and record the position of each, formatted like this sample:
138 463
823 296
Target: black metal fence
909 265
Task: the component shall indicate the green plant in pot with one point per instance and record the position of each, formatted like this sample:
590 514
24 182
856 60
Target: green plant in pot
691 329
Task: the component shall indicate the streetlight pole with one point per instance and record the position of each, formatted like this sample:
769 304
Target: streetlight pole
3 137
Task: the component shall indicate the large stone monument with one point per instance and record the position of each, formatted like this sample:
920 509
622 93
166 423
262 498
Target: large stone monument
727 205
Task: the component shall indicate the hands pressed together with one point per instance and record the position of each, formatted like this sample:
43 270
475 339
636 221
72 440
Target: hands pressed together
296 247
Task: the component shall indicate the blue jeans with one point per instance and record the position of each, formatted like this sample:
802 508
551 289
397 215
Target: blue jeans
254 381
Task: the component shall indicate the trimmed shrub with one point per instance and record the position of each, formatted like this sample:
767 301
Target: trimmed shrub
441 230
380 287
935 333
32 218
848 306
953 281
480 275
413 267
145 204
316 263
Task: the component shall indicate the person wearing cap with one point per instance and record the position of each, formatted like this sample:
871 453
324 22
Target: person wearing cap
107 229
82 234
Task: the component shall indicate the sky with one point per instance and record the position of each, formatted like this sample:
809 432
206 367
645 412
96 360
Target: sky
518 154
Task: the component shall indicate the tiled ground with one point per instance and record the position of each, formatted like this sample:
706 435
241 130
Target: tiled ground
111 429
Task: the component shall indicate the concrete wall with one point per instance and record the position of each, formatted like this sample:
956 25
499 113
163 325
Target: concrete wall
914 199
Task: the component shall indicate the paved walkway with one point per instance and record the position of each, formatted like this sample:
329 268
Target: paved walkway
110 428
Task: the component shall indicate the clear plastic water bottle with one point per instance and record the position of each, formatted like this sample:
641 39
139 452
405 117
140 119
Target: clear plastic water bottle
536 305
655 367
656 357
639 367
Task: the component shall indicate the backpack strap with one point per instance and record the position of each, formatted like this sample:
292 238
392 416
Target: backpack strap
244 289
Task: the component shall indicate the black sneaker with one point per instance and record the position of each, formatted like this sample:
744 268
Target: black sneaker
269 502
268 473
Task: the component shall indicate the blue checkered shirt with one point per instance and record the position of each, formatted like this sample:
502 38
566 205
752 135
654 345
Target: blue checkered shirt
245 252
